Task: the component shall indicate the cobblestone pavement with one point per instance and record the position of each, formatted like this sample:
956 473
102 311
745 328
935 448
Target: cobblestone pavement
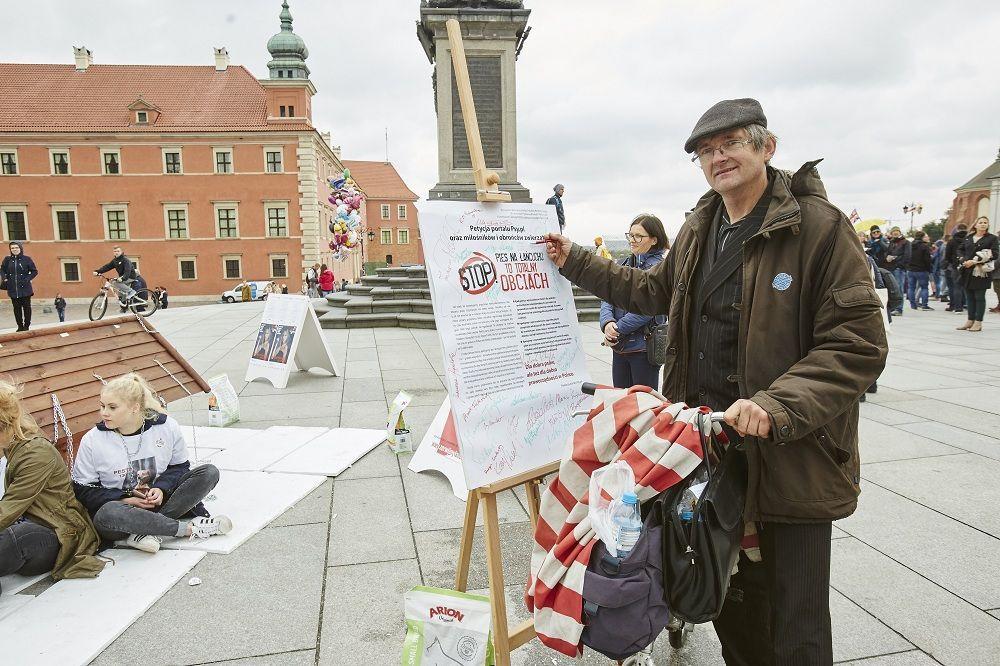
914 577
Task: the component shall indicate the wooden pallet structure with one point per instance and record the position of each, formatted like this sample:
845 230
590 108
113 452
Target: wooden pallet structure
69 361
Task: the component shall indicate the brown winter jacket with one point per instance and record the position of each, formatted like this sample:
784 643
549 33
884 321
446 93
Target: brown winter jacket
38 486
807 352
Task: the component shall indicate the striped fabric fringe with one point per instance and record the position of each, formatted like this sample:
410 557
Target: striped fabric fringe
661 444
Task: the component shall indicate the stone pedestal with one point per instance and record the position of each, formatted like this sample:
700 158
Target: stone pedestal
492 40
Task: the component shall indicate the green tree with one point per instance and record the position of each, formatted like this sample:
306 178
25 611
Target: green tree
934 230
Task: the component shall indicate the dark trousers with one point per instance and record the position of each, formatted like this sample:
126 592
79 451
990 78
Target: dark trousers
116 520
777 611
22 312
916 289
28 549
956 291
62 313
975 303
628 370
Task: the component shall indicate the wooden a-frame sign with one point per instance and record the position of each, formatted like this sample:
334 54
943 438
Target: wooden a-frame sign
68 361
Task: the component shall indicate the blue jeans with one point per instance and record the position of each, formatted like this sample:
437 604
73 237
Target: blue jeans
900 276
916 288
628 370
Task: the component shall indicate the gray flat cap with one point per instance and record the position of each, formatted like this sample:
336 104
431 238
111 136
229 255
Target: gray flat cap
724 115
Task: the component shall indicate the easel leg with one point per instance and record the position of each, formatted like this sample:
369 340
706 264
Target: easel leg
465 549
531 492
494 562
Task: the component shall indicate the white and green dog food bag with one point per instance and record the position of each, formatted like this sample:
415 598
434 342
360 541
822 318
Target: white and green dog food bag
446 628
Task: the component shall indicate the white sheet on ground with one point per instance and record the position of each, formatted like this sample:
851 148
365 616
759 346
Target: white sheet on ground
74 620
330 453
10 603
255 453
13 583
216 438
251 500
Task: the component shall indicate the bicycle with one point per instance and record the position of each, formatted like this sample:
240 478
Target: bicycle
140 301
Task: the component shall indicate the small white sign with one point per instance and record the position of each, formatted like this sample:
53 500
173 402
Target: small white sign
289 336
439 451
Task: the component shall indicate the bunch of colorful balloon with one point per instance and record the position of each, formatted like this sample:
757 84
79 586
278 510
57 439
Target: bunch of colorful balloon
346 228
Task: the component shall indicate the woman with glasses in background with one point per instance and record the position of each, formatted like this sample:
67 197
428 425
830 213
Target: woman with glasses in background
625 332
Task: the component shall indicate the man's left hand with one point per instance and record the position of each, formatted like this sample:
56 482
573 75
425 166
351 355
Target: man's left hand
154 496
749 419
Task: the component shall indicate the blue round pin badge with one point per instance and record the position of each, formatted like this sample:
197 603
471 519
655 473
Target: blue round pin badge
782 281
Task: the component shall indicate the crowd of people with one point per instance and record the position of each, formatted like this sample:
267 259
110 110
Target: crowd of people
957 269
131 484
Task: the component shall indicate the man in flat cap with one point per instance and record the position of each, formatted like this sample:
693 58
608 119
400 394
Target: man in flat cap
773 318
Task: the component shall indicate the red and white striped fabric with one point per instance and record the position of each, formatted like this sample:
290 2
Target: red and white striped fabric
661 444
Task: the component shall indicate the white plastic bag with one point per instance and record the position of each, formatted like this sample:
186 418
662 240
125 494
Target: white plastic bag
607 485
223 403
445 627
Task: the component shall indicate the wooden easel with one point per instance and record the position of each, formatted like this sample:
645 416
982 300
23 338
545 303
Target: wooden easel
504 638
487 189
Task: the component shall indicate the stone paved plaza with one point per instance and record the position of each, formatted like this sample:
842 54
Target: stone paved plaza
915 577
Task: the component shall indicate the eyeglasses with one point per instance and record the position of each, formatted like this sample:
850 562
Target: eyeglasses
635 238
730 147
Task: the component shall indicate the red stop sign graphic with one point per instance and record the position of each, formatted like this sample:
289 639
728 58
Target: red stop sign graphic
477 274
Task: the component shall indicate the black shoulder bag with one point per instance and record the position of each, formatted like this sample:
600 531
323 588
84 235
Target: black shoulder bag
699 555
656 343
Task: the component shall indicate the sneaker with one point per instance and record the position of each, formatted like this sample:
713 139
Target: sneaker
147 543
926 308
642 658
203 528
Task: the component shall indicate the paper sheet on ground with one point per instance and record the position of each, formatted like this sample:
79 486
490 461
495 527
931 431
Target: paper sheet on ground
254 454
251 500
76 619
14 583
513 354
330 453
439 451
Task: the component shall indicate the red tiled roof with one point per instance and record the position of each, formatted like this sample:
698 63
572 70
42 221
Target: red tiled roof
57 98
379 180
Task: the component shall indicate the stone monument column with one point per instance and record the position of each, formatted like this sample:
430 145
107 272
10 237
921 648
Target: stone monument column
494 32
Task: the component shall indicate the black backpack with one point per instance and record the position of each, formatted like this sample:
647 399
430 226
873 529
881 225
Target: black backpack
624 606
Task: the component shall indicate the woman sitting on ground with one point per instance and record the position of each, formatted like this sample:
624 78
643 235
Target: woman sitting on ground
133 475
42 526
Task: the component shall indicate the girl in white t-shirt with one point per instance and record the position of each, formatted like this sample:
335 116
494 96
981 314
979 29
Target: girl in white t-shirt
133 475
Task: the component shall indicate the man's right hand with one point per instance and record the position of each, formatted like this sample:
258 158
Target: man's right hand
140 502
557 247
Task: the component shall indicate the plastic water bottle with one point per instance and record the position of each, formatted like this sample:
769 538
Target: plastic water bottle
628 524
690 497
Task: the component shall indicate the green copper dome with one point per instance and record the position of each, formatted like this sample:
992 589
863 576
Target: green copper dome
288 50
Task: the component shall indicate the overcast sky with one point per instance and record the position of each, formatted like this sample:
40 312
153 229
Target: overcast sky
900 98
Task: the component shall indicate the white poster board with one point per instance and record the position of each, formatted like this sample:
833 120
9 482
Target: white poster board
513 357
289 337
439 451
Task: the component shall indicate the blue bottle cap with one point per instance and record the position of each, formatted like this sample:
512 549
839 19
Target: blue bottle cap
630 498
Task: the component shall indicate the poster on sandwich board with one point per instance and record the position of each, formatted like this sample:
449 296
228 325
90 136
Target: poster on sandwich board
513 355
289 337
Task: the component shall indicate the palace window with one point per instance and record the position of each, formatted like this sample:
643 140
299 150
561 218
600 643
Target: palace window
277 221
385 236
60 164
8 163
177 226
66 224
386 211
401 211
70 270
172 162
112 162
223 161
117 229
187 268
227 227
15 225
273 161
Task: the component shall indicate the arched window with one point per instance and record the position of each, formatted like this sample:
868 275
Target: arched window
983 207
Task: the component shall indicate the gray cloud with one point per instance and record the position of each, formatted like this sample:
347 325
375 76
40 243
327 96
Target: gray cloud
897 96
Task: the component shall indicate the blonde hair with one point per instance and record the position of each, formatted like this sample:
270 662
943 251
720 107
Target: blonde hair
14 421
135 390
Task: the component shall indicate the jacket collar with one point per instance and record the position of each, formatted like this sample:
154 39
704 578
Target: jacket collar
783 211
159 419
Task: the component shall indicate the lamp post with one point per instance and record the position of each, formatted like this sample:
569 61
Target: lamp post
371 238
913 209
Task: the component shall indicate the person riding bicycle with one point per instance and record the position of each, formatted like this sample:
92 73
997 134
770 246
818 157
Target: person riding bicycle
126 273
